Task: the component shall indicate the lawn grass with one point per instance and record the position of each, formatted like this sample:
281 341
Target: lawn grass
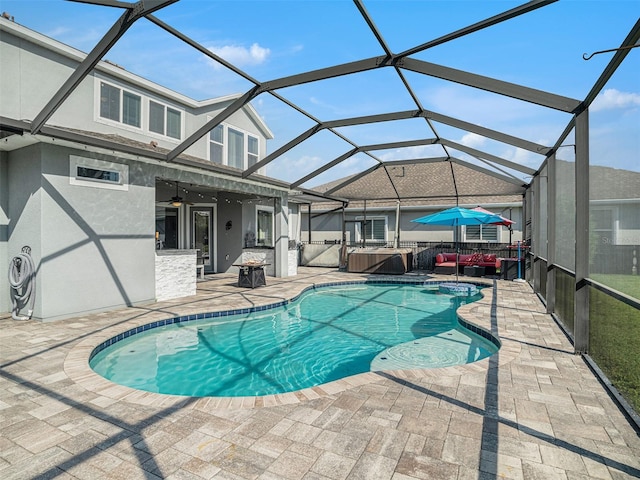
629 284
614 341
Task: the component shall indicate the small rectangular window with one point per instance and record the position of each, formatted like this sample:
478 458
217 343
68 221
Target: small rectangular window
472 232
109 102
131 109
485 233
94 173
216 144
98 174
173 123
156 117
235 148
252 150
375 229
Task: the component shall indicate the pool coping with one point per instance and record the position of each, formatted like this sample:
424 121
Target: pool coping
479 314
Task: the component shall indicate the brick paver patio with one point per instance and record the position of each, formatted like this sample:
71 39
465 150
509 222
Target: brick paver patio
532 411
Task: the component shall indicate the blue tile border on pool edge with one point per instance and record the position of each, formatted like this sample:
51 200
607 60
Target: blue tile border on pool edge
245 311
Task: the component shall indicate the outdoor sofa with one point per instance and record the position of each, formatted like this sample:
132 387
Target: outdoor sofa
446 262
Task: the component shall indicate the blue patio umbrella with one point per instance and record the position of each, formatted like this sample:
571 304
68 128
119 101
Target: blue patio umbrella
457 216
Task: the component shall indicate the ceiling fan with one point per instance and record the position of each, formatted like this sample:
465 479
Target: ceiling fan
177 200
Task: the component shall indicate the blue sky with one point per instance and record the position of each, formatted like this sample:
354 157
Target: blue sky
272 39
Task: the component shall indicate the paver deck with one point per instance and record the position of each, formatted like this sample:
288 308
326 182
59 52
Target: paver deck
532 411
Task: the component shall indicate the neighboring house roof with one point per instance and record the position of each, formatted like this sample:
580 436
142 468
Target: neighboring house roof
425 183
606 183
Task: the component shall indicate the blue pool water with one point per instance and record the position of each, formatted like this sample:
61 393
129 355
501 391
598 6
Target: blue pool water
326 334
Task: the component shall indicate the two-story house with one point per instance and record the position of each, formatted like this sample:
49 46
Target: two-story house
108 221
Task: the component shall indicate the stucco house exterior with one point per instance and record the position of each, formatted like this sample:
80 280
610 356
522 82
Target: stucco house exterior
108 221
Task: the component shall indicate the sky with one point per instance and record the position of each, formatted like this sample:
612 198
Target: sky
270 39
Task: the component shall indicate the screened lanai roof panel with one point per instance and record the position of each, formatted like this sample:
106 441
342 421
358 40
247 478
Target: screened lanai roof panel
364 187
422 180
491 110
473 182
387 131
426 180
534 42
336 60
346 96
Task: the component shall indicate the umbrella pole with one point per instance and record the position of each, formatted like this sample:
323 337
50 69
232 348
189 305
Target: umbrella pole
455 235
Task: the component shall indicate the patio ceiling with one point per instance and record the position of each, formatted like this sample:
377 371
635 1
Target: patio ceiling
422 156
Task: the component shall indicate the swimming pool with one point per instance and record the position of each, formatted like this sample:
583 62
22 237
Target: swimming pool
327 333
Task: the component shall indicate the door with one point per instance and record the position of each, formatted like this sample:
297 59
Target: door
202 235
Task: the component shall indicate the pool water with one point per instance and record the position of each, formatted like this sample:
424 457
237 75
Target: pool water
326 334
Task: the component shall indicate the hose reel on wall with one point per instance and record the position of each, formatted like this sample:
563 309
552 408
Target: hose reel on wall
22 279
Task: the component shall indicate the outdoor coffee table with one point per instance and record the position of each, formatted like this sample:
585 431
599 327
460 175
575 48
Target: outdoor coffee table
251 275
474 271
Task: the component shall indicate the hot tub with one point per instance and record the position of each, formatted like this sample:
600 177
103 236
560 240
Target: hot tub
395 261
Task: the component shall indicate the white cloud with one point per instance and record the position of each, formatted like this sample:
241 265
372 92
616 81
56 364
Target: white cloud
241 56
83 40
611 98
473 140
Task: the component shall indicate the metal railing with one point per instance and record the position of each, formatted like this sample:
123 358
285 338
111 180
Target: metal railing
424 253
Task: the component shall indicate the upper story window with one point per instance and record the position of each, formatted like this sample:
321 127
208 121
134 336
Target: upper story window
235 151
252 150
129 109
233 147
164 120
216 144
120 105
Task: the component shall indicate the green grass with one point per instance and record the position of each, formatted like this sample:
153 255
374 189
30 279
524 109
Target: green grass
629 284
614 340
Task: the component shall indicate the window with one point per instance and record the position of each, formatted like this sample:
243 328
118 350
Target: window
264 223
111 100
174 125
233 147
602 226
252 150
485 233
235 154
375 229
216 144
99 175
166 228
156 117
164 120
131 109
90 172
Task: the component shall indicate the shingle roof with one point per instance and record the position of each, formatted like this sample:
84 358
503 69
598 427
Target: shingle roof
424 183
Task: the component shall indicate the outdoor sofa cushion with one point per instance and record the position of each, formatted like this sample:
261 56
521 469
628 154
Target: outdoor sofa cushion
468 259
